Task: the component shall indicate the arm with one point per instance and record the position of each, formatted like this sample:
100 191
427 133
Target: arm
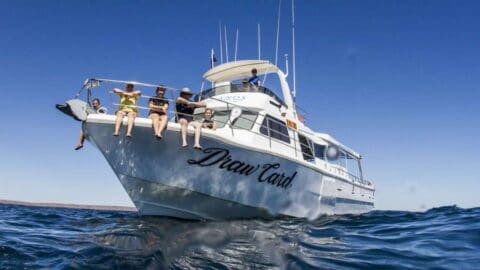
158 108
198 104
214 125
132 94
182 100
118 91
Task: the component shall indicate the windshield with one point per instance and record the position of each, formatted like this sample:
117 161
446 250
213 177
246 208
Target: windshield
238 88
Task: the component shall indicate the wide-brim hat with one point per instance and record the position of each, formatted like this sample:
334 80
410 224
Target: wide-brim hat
186 91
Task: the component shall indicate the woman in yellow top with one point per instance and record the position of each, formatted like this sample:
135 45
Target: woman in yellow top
128 107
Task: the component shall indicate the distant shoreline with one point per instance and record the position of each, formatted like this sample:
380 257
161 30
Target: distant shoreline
71 206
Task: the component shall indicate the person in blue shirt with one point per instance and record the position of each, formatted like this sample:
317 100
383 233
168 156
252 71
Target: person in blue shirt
255 80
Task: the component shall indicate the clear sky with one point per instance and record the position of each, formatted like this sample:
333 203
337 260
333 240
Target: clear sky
398 81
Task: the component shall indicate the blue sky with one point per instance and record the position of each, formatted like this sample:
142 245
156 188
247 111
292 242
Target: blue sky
399 81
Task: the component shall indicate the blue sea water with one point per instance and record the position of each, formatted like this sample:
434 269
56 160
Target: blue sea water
57 238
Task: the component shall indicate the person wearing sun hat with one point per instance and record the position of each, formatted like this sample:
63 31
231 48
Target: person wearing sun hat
185 108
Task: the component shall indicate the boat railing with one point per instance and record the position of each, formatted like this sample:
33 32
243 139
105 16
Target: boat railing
171 114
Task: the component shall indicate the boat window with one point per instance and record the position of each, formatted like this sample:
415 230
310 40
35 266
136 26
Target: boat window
245 121
342 159
332 154
278 130
353 167
336 156
306 147
320 151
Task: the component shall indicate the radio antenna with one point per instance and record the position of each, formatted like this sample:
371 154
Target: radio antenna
294 93
236 45
278 31
220 39
258 37
226 44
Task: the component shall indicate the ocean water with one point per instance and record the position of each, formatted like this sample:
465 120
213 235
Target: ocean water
56 238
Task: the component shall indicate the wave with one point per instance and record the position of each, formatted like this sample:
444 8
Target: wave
445 237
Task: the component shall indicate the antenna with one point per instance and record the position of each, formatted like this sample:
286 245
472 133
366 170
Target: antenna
258 37
286 65
278 31
236 45
294 93
212 59
226 44
221 45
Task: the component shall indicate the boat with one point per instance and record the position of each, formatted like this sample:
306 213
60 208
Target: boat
262 161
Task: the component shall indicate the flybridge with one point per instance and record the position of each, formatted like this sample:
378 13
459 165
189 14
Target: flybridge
228 72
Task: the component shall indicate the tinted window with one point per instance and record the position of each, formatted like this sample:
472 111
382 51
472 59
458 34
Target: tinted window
306 147
244 121
320 151
278 129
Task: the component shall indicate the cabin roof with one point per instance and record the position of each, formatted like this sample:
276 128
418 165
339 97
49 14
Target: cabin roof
238 70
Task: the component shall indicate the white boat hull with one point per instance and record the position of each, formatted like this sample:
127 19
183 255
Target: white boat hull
224 181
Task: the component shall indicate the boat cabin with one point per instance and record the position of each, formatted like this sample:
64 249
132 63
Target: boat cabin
256 116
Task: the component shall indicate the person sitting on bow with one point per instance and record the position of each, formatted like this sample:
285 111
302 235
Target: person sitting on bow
185 108
158 111
208 121
128 107
97 108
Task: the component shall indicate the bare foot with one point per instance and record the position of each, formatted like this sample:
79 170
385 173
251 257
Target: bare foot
184 145
115 134
128 135
197 147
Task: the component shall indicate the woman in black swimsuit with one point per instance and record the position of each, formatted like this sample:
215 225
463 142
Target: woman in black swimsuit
208 122
158 111
185 109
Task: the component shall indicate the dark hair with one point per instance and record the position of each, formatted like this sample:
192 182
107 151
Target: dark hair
161 87
254 70
130 85
98 100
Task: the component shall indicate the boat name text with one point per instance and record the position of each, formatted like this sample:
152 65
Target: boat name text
267 173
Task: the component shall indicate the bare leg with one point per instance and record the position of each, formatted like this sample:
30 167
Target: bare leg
183 131
162 124
118 122
131 117
198 129
154 118
81 139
